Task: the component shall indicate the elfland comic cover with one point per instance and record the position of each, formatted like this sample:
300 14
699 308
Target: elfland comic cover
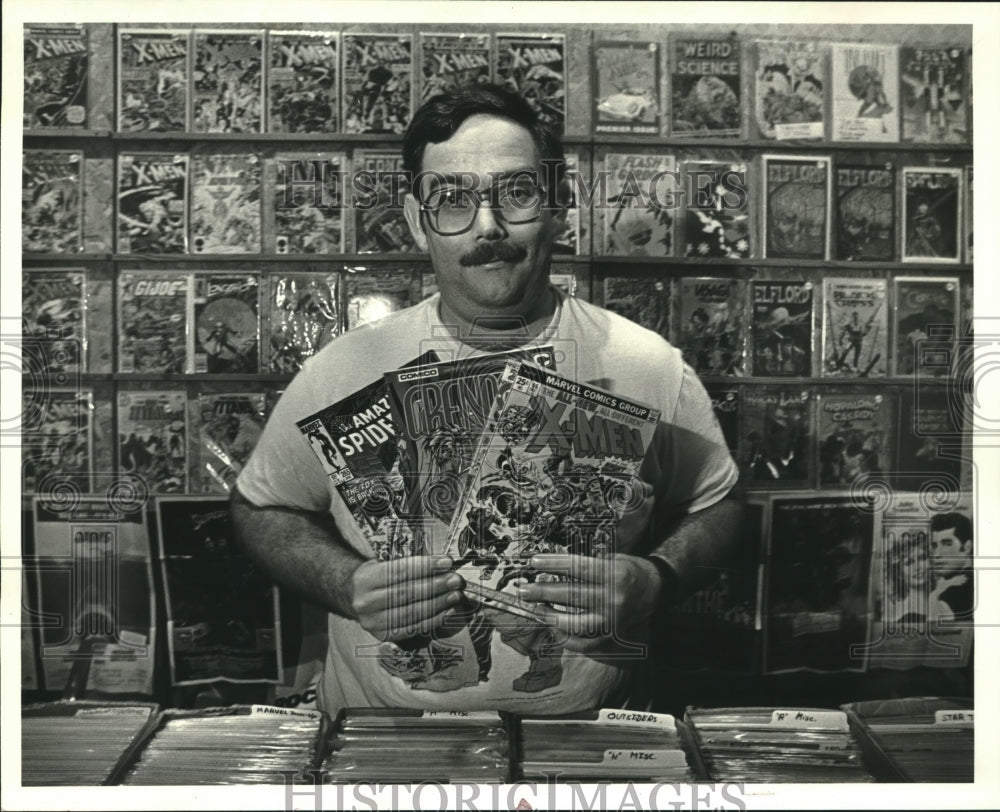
371 295
778 431
627 87
781 328
227 323
644 300
152 203
855 328
308 206
379 190
797 215
638 221
155 318
453 60
932 214
534 66
865 92
711 332
705 87
57 453
304 316
229 426
789 100
225 204
228 79
925 324
152 439
933 100
378 82
717 209
51 201
303 82
726 408
55 76
153 80
855 436
53 320
866 212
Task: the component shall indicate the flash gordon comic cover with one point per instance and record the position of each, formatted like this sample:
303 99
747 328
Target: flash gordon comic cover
627 87
308 206
228 80
304 317
932 214
53 319
866 212
228 429
855 328
153 80
453 60
711 333
637 222
55 76
378 82
303 81
56 440
789 98
380 187
781 328
152 203
705 87
534 66
225 204
726 407
717 215
933 100
51 201
777 433
644 300
865 92
370 295
227 323
797 215
926 309
855 436
155 317
152 439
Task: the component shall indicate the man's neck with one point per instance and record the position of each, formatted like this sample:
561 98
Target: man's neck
496 332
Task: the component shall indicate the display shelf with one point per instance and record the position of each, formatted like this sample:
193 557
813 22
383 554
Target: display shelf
758 145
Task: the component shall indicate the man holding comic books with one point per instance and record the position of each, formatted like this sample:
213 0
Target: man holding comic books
409 630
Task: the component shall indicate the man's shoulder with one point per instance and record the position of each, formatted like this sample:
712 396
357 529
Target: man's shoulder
616 335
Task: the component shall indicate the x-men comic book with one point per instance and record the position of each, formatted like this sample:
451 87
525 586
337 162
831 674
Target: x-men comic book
229 426
53 320
705 87
303 82
227 323
155 322
152 438
225 204
56 71
57 454
449 61
228 81
534 66
378 82
51 201
153 80
855 327
152 203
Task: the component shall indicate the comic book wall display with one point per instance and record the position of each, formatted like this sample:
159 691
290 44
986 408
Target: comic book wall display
932 214
711 332
789 100
453 60
152 203
644 300
155 318
153 80
717 213
304 314
379 223
574 236
638 222
227 323
378 82
307 207
855 328
228 81
866 212
535 67
705 87
54 320
303 82
225 204
55 76
855 436
370 295
57 451
726 408
777 433
927 308
223 620
929 439
229 426
782 316
51 201
864 92
627 87
95 578
152 439
933 102
797 191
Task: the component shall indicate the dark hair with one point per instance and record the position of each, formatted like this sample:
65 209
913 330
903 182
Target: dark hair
961 523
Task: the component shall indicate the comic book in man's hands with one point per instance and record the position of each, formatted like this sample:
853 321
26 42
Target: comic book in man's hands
789 102
153 80
705 87
866 212
152 203
711 332
717 214
378 82
227 323
152 435
797 192
228 429
303 82
228 80
53 320
51 201
855 328
225 203
534 66
627 92
865 92
304 317
453 60
155 322
55 76
933 96
307 205
781 328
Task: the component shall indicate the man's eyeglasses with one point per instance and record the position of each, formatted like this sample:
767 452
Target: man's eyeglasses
452 210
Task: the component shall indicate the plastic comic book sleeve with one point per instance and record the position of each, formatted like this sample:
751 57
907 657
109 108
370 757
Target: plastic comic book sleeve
152 203
933 82
866 212
56 71
152 435
306 211
855 328
705 87
155 322
535 67
227 323
229 426
304 315
153 80
711 332
627 92
782 314
225 203
228 81
371 294
924 325
789 100
57 452
864 94
797 195
51 201
932 214
54 319
453 60
303 81
378 82
716 215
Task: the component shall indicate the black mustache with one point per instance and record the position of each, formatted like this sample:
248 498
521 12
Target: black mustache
487 252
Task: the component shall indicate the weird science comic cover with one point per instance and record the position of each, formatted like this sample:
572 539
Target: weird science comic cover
453 60
534 66
56 440
778 432
789 100
303 82
855 435
865 92
711 332
228 429
152 203
307 206
225 204
797 213
378 82
155 314
932 214
304 316
644 300
627 92
933 100
782 326
637 221
51 201
855 328
53 320
55 76
152 439
228 79
717 212
226 323
705 87
153 81
866 212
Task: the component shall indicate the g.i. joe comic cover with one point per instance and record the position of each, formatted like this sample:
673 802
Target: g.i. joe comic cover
789 97
782 325
379 189
55 76
797 214
228 79
711 332
778 432
303 82
370 295
56 441
378 82
933 101
153 80
717 211
925 324
152 439
225 204
152 203
53 320
638 221
644 300
308 216
51 201
227 323
865 92
866 212
932 214
453 60
304 316
855 328
229 426
627 87
155 314
534 66
705 87
855 434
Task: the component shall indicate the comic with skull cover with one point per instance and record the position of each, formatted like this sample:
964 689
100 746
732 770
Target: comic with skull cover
228 79
705 87
932 214
638 221
777 433
855 436
711 333
229 426
378 79
553 473
644 300
925 325
726 408
51 201
453 60
933 94
155 319
56 440
627 87
304 316
789 100
781 328
534 66
717 213
379 223
307 206
54 320
225 203
865 92
55 76
152 438
227 323
303 82
153 80
371 294
797 191
152 203
855 328
866 212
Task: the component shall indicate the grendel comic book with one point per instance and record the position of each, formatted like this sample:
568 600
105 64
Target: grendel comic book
789 101
303 81
380 187
228 79
627 87
155 318
56 440
534 66
777 434
229 426
152 203
152 439
378 82
638 221
717 215
227 323
225 204
453 60
370 295
51 201
644 300
53 320
705 87
781 328
927 308
55 76
153 80
797 192
933 94
932 214
865 92
855 328
711 332
307 207
726 408
855 434
304 316
574 234
866 212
